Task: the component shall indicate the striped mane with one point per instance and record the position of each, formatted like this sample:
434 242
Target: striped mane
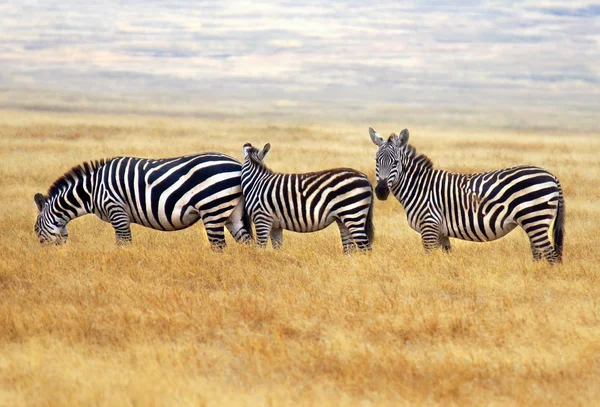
421 160
77 171
258 162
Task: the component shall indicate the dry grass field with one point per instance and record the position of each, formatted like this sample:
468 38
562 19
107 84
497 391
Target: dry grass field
166 321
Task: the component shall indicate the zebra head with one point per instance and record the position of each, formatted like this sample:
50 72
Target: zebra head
49 227
250 151
387 160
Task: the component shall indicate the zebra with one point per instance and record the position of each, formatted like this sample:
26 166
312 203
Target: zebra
306 202
163 194
475 207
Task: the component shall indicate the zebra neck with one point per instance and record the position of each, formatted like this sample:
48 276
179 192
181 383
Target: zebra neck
74 201
254 174
413 181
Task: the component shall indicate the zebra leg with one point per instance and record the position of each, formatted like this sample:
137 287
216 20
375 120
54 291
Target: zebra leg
445 242
540 242
537 254
430 235
215 231
358 232
216 236
277 238
347 241
119 219
263 229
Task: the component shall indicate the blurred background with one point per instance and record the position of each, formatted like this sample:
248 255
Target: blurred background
510 64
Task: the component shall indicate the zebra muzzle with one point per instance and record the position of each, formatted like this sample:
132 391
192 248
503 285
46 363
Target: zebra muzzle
382 191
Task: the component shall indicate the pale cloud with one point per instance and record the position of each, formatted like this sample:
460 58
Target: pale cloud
496 54
286 43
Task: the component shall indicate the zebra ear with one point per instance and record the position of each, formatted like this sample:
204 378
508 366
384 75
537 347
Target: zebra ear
375 137
40 201
264 151
402 138
246 149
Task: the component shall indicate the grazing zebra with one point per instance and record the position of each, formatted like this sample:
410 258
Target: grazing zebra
306 202
165 194
476 207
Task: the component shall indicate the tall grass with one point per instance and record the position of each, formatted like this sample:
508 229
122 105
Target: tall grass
166 321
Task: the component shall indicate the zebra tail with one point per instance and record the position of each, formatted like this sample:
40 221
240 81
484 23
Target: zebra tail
558 233
370 229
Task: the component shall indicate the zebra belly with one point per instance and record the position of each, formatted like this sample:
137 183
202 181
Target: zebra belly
188 210
502 230
179 220
300 227
479 230
182 218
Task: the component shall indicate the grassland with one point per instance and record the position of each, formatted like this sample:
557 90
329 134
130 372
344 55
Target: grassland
167 322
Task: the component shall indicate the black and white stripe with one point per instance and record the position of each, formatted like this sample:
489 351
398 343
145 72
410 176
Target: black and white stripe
164 194
476 207
307 202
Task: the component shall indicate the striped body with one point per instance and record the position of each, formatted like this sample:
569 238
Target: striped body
481 207
164 194
307 202
474 207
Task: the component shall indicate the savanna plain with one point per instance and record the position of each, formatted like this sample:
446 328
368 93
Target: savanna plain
165 321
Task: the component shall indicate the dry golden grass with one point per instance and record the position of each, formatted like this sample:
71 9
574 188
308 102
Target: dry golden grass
167 322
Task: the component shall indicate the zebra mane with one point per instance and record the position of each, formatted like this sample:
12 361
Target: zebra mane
77 171
258 162
421 160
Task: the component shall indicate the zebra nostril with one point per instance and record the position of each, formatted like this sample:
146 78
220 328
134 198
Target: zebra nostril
382 191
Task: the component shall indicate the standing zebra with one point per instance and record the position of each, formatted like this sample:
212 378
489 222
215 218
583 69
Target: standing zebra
307 202
476 207
165 194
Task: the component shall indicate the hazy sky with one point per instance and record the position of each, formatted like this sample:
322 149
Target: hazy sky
505 54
